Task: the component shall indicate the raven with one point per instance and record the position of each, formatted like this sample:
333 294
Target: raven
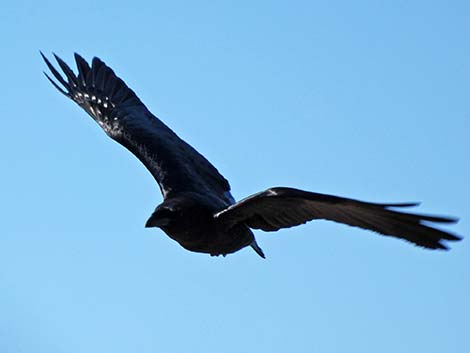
198 210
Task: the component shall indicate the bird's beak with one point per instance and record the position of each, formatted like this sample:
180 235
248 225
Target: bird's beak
157 222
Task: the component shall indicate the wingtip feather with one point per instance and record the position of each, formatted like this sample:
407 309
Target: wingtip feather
67 70
83 68
53 70
56 85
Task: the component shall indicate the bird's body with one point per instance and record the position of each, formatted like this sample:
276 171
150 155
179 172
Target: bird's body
198 210
189 219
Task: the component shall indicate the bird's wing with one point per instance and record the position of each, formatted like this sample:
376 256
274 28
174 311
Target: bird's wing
280 207
116 108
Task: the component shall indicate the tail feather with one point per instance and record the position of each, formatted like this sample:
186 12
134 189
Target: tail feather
256 248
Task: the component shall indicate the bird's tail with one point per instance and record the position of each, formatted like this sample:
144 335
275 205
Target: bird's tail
256 248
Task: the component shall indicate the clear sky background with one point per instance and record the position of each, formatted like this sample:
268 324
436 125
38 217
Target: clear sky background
363 99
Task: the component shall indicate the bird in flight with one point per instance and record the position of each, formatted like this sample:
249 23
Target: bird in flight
198 210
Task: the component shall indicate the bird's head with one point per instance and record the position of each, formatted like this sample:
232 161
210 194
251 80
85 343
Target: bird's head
163 216
181 213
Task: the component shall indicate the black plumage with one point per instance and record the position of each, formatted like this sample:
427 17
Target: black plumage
198 210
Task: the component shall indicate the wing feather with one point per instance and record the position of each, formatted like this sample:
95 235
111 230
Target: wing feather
174 164
278 208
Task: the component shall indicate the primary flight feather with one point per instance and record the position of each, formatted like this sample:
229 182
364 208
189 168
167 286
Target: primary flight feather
198 210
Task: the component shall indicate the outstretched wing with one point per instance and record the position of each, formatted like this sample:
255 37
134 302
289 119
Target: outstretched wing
116 108
278 208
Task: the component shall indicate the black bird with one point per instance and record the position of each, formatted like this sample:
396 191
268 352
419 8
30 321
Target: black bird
198 210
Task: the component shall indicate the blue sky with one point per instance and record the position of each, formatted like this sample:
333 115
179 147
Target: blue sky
362 99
